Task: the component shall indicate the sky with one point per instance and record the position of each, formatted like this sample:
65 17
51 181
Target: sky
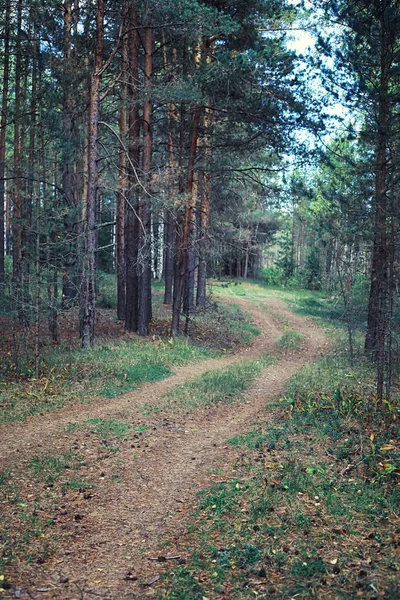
303 42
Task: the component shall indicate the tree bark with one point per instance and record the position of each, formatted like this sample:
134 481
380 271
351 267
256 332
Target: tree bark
189 295
183 250
122 178
171 216
376 326
89 305
70 254
205 204
3 128
145 311
17 200
132 221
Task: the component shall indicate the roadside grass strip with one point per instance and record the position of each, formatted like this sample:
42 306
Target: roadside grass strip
295 522
313 509
225 385
107 371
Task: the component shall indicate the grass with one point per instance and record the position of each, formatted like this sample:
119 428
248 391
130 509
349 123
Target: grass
289 524
312 508
291 340
323 305
312 511
223 385
49 467
109 428
115 367
107 371
226 326
31 505
332 372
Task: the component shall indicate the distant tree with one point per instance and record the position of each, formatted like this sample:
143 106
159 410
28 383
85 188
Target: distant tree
370 47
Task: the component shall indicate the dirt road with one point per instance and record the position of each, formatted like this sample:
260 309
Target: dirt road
107 540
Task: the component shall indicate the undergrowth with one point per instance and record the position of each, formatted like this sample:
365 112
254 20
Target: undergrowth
116 366
291 340
311 513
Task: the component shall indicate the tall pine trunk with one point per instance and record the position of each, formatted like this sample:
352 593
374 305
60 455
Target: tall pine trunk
3 128
69 259
172 171
132 221
376 326
205 207
145 312
183 250
122 178
89 304
17 192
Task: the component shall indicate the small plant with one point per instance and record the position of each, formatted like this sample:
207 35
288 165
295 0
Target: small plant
49 467
76 485
109 428
291 340
252 439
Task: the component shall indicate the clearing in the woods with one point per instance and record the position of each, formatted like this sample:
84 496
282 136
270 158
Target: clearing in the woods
267 472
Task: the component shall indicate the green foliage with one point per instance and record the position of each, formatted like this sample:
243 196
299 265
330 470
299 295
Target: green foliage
285 264
333 372
312 270
107 296
222 326
376 427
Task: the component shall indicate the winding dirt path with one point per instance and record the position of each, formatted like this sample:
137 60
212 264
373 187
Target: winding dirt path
107 540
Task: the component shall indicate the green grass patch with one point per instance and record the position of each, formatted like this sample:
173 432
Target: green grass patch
332 372
289 525
109 370
107 428
49 467
223 385
291 340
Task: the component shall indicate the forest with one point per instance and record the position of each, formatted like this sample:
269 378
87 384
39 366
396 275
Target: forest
200 235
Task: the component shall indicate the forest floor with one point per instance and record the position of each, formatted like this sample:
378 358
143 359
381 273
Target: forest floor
97 498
